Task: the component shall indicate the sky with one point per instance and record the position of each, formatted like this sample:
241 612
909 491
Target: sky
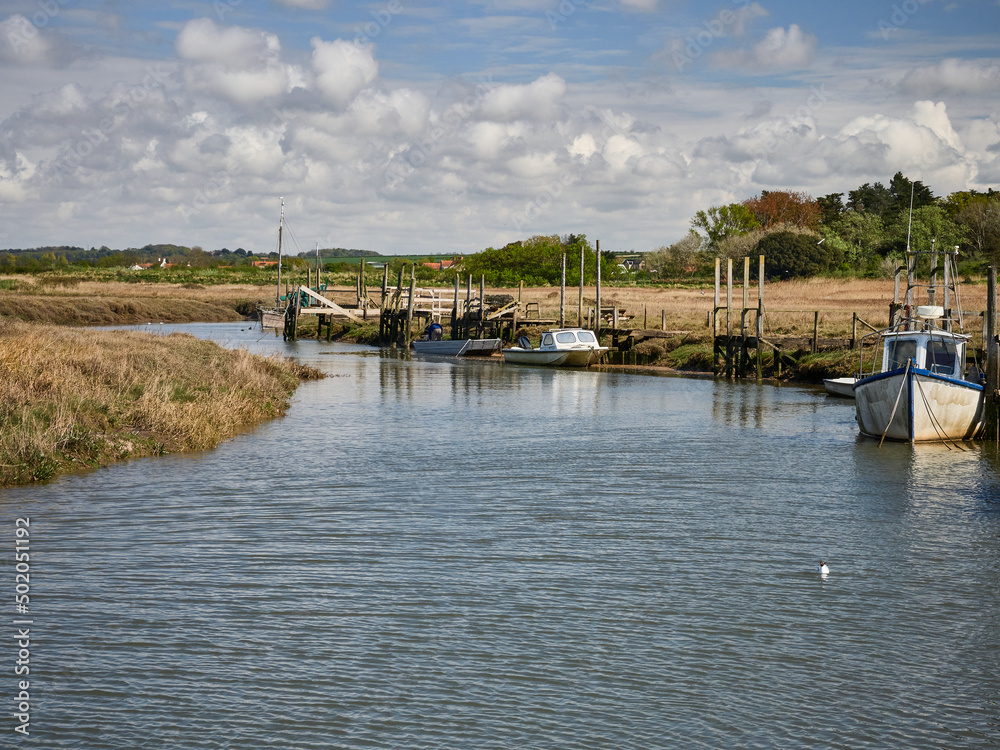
436 127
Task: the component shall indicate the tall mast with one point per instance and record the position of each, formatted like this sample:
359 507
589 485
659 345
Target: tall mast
281 224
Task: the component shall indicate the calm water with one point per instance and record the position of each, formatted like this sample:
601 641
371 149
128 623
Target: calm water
444 554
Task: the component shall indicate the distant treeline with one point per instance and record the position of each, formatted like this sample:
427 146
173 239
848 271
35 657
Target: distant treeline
63 256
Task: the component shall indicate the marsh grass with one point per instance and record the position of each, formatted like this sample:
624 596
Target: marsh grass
72 398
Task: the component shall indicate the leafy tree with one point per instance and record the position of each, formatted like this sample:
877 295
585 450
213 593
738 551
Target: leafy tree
536 261
788 255
874 199
678 260
720 222
900 193
980 219
831 208
783 207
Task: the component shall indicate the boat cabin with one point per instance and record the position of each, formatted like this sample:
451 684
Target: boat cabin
941 354
567 338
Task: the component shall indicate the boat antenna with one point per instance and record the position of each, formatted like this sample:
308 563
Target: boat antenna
281 224
909 222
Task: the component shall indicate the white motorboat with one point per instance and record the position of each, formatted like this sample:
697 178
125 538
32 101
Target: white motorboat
560 347
842 387
920 392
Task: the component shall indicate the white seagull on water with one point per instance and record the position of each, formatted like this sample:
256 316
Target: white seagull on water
823 569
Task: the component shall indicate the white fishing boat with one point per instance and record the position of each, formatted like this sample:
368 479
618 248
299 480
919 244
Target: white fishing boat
920 392
274 317
842 387
560 347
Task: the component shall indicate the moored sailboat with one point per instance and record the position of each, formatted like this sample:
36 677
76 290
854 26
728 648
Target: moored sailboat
274 317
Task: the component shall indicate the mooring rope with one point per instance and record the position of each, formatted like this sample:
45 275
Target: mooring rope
935 423
896 405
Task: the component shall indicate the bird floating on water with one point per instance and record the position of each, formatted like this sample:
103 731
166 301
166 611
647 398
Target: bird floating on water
823 569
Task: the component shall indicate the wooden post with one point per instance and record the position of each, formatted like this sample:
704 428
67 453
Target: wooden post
298 306
363 301
482 305
454 310
992 395
468 309
408 334
729 317
716 348
562 294
760 320
815 331
663 320
597 311
579 312
854 332
743 316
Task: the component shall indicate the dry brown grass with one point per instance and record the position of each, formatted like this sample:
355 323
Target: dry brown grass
788 305
74 398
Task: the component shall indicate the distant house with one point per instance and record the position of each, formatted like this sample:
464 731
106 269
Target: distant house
632 264
263 263
440 265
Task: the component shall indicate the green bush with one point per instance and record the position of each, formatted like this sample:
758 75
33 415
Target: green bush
790 255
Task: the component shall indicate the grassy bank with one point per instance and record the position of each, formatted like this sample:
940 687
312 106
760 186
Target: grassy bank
73 398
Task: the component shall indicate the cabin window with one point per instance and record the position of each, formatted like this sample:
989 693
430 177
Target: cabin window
547 339
941 356
587 337
898 351
566 337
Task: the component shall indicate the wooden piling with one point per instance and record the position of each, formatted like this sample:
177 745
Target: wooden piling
579 311
562 294
992 395
597 310
760 320
716 346
408 334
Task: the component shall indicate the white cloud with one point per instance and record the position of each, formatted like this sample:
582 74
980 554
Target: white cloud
779 49
242 65
537 101
342 69
952 76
